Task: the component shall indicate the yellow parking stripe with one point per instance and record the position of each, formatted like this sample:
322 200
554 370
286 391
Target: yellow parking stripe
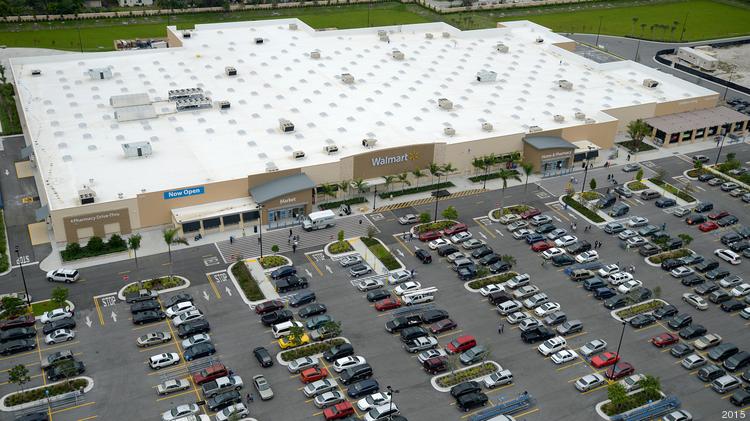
99 312
314 265
396 236
71 407
213 286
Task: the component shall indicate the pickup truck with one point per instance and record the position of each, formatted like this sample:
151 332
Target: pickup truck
324 333
221 385
140 295
146 305
291 283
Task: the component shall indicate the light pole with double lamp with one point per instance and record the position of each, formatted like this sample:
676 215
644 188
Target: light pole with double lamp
724 131
617 358
260 228
391 391
586 169
437 196
23 277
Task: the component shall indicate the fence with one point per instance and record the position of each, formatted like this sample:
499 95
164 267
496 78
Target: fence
523 401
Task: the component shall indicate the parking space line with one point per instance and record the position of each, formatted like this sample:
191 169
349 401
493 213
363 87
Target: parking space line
450 333
338 384
523 414
146 326
485 229
31 377
174 395
72 407
559 213
499 388
575 335
88 418
396 236
213 287
647 327
595 389
158 346
570 365
27 365
99 311
314 265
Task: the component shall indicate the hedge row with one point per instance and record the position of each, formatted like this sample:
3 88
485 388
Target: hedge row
272 261
39 394
336 204
95 247
248 284
583 210
630 145
434 226
466 374
674 254
516 209
490 176
631 402
638 309
672 189
157 284
496 279
312 349
382 253
412 190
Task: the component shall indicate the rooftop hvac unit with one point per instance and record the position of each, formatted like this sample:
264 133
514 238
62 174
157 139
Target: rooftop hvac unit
136 149
382 32
347 78
186 34
315 54
175 94
564 84
298 154
398 55
384 38
534 129
293 26
230 71
36 72
590 121
224 105
445 103
100 73
369 142
487 127
429 36
87 195
501 48
539 40
650 83
285 125
331 149
271 167
580 116
193 103
259 40
559 118
449 131
486 76
446 35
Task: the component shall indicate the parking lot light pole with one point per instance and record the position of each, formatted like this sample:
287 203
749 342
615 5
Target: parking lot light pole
622 333
23 277
391 391
724 131
260 229
437 196
374 197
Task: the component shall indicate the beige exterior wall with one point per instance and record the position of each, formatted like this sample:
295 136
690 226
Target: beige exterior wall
173 38
61 217
568 45
627 114
419 156
462 154
603 134
535 157
685 105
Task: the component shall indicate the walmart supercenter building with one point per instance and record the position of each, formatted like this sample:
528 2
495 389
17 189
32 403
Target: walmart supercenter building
240 121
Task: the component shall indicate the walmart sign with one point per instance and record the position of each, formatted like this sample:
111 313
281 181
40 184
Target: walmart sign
395 159
192 191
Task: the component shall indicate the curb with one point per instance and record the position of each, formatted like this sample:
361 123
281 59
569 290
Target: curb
614 315
346 253
403 266
121 292
685 174
43 401
70 306
271 269
598 407
658 265
318 355
413 231
433 380
468 288
250 304
667 194
607 218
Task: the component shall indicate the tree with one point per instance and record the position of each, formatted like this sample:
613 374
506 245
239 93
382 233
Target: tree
698 165
448 168
341 235
639 174
506 175
171 238
371 231
417 175
59 296
343 186
95 244
332 327
295 334
360 185
326 189
3 78
450 213
116 242
275 248
686 239
617 395
650 384
592 184
454 362
528 169
507 258
134 243
434 169
19 375
637 130
731 156
425 217
13 306
403 178
67 369
388 181
657 292
478 163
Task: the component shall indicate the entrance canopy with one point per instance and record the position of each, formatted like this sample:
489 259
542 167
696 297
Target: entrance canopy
281 187
213 210
683 122
543 143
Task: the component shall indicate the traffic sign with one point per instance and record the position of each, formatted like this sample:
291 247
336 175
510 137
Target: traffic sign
125 278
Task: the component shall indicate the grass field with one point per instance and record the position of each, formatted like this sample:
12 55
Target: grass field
663 21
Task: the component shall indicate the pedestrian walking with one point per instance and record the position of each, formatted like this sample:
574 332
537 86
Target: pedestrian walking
360 222
249 398
566 206
544 262
628 157
501 328
575 227
231 239
290 233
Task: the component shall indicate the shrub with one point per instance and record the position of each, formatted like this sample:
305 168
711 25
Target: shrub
490 176
673 254
434 226
450 213
496 279
583 210
95 247
695 173
39 394
634 401
247 282
424 217
333 205
638 309
157 284
385 256
412 190
636 186
672 189
630 146
272 261
116 242
275 248
340 247
466 374
95 244
590 195
312 349
517 209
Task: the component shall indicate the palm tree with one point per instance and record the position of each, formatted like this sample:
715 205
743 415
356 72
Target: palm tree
637 130
343 186
359 184
134 243
448 168
507 258
388 181
171 238
417 175
434 170
506 175
478 163
327 190
528 169
686 239
403 178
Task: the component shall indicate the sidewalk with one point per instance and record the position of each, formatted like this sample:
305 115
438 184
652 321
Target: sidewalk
259 274
367 255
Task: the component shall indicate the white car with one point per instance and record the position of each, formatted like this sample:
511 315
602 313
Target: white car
351 361
518 280
516 225
540 220
630 383
55 315
566 240
618 278
629 286
303 363
431 353
376 399
455 256
171 386
262 387
407 287
546 309
60 335
637 221
528 324
399 276
227 413
550 253
728 256
180 411
489 289
508 218
556 233
472 243
624 235
434 244
682 271
588 382
552 345
593 347
160 361
460 237
63 275
562 357
196 339
327 399
179 308
409 218
636 241
740 290
350 260
369 284
517 317
587 256
608 270
521 233
695 300
186 317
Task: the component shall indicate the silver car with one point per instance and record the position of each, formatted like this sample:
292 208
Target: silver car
262 386
321 386
327 399
302 364
359 269
409 218
350 260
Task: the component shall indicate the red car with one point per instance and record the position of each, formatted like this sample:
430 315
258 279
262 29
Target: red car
455 229
209 373
339 411
313 374
605 359
718 215
443 326
542 245
663 339
619 371
269 306
20 321
387 304
461 344
530 213
708 226
429 235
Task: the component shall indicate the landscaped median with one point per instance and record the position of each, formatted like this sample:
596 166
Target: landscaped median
381 253
515 209
165 283
672 189
649 306
656 259
315 348
248 285
582 209
476 372
413 190
4 258
438 225
476 284
29 398
273 261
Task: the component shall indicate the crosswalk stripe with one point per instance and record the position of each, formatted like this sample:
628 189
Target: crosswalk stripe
427 200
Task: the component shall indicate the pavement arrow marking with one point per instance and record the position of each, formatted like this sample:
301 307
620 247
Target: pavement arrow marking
205 295
400 253
114 316
328 268
7 172
309 275
228 291
88 321
482 234
499 232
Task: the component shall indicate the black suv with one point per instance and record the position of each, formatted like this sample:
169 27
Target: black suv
400 323
648 250
432 316
593 284
67 323
223 400
730 238
264 358
706 265
471 400
703 206
537 334
193 327
283 272
67 368
356 373
447 249
692 280
414 332
312 310
723 351
378 295
145 306
465 388
338 351
277 316
579 247
666 311
670 264
291 283
423 256
680 321
481 252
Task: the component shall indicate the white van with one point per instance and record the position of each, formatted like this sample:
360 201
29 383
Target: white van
419 296
618 278
283 329
725 384
319 220
729 256
508 307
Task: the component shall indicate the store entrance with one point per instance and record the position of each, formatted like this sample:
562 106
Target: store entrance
554 167
284 217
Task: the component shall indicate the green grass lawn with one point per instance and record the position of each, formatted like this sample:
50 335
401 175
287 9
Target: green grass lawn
39 308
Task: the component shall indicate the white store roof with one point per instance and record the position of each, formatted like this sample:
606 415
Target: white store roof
77 139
